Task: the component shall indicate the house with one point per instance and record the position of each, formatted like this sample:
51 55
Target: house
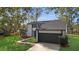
47 31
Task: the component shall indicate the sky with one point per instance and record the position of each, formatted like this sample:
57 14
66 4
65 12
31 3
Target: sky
45 17
50 16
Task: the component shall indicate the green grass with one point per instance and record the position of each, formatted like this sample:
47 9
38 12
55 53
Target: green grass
9 44
73 43
31 40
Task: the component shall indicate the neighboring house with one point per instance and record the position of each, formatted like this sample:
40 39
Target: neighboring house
47 31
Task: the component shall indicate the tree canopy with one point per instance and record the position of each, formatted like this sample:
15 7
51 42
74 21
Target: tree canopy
68 14
13 18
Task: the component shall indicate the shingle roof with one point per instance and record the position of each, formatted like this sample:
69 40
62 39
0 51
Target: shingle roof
51 24
56 24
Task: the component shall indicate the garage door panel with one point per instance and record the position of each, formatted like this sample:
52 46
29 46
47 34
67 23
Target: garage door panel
48 37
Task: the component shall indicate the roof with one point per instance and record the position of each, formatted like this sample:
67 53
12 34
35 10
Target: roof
38 22
51 25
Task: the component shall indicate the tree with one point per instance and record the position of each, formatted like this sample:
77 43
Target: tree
13 17
78 26
3 20
33 15
69 13
17 16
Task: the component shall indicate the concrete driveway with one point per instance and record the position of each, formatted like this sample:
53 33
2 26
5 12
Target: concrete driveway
45 47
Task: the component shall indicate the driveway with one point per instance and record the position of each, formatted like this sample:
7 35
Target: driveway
45 47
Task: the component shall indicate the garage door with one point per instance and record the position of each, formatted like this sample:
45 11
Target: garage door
49 37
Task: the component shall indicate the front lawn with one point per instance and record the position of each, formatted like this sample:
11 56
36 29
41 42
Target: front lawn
31 40
9 44
73 43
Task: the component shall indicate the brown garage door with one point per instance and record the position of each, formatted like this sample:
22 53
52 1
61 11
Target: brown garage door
49 37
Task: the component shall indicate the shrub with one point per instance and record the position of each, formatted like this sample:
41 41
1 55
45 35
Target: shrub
25 36
64 40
